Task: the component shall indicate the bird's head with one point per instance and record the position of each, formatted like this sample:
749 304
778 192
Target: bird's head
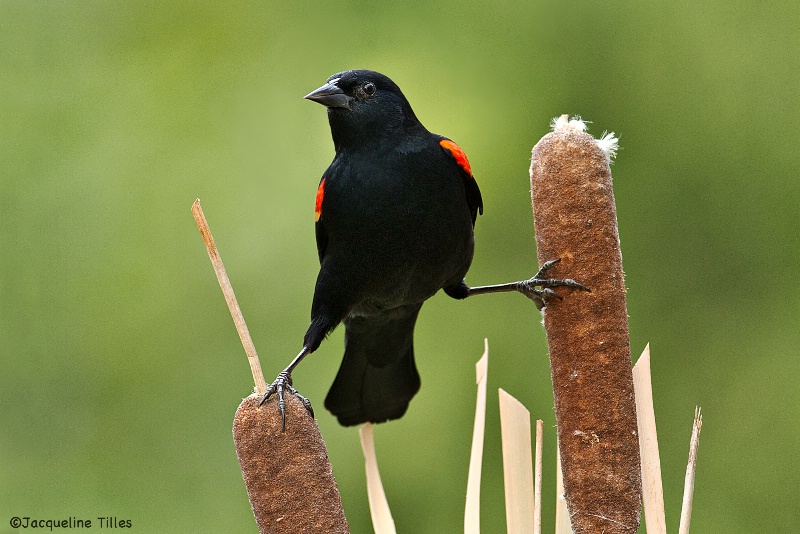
364 105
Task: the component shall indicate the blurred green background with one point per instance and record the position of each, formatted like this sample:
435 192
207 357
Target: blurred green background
121 369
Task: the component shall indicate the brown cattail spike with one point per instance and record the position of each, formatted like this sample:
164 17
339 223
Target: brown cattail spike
587 332
288 476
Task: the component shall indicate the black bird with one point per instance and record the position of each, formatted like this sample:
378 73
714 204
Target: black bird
394 222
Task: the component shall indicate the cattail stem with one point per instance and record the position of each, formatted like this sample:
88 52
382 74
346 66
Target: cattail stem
288 476
230 298
587 332
691 467
652 491
472 508
537 479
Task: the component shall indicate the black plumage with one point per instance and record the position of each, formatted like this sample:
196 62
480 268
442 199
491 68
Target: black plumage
394 216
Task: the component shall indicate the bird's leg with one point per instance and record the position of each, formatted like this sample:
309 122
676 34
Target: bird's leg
529 287
284 382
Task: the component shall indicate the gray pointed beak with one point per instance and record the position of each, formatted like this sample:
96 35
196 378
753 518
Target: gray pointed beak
330 95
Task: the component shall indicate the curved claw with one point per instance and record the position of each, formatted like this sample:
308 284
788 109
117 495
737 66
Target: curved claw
284 382
546 266
540 297
549 294
557 282
305 401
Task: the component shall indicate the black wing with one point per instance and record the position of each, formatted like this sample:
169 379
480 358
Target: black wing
473 192
319 222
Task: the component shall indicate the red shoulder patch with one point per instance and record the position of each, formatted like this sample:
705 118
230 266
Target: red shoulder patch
457 154
320 196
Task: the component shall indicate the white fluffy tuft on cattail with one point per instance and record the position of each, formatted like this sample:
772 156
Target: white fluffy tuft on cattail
608 142
575 123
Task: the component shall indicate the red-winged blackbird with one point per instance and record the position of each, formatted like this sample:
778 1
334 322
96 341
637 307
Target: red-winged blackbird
394 218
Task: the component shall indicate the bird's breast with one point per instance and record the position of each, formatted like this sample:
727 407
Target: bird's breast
401 224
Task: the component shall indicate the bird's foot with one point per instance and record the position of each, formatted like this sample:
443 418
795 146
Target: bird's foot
538 288
283 382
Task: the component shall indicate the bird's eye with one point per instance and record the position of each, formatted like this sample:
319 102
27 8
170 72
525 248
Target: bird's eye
368 88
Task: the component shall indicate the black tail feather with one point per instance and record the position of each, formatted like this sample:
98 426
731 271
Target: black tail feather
378 377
